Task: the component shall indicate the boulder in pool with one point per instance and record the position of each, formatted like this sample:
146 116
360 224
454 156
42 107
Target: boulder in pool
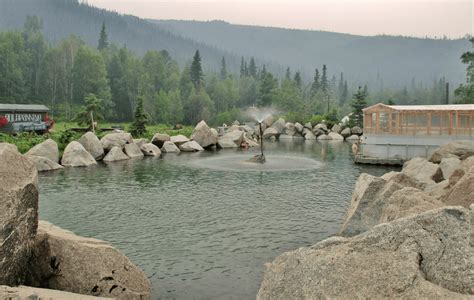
44 164
118 139
290 129
353 138
356 130
18 214
335 136
191 146
308 134
170 147
324 137
203 135
133 151
299 128
270 132
92 144
423 256
279 125
337 128
140 142
115 154
179 139
67 262
150 149
346 132
458 149
48 149
75 155
159 139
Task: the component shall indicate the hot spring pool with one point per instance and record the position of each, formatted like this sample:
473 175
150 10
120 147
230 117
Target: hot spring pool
202 225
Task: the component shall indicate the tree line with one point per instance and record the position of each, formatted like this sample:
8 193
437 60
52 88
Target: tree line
63 76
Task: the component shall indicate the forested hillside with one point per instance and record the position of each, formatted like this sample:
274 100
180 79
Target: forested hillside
385 61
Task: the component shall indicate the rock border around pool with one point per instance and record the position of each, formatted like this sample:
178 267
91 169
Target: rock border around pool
43 256
119 146
407 234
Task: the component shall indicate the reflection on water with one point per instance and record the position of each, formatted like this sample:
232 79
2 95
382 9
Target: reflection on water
203 232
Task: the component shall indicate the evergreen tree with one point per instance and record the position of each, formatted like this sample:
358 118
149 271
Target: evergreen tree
268 86
103 39
366 90
242 67
223 72
465 92
324 81
138 127
91 112
340 89
358 103
196 71
252 68
288 74
246 70
297 80
316 85
345 93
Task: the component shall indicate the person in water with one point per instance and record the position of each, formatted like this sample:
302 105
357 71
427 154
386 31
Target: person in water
244 145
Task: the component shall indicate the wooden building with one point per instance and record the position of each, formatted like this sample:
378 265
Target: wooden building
16 118
395 133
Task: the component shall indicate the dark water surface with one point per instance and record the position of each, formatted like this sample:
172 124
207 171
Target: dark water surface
202 225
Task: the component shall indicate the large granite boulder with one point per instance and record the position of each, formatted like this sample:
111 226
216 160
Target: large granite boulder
335 136
67 262
115 154
420 169
423 256
43 164
118 139
324 137
159 139
191 146
346 132
170 147
447 166
353 138
133 150
336 128
458 149
356 130
92 144
227 139
179 139
150 149
30 293
48 149
321 126
462 193
299 128
18 214
270 132
203 135
75 155
279 125
140 142
308 135
290 129
468 163
268 121
308 125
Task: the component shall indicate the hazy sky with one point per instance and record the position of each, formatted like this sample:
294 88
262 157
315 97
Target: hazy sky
453 18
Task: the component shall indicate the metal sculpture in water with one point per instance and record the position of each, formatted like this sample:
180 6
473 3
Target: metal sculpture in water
259 158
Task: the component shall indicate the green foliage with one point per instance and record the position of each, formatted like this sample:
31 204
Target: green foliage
465 92
138 127
358 103
227 117
90 112
103 39
196 70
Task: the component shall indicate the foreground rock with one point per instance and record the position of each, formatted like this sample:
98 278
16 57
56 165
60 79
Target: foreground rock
48 149
18 214
119 139
27 292
458 149
424 256
191 146
270 132
43 164
203 135
92 144
179 139
75 155
420 169
231 139
67 262
133 151
115 154
150 149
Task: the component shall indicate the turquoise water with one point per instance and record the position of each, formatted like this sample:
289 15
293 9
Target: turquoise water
202 225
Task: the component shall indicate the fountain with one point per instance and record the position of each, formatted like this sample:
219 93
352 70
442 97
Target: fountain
259 115
259 158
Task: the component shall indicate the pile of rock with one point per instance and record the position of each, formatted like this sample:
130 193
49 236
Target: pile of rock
280 129
41 255
407 234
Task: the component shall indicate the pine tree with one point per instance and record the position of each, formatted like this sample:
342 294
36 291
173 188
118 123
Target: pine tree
103 39
252 68
465 92
345 93
90 113
316 85
324 81
138 127
223 73
246 70
288 74
366 90
196 71
297 79
242 67
340 89
358 103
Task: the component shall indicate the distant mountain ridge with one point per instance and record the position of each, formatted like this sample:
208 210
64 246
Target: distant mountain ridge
364 58
381 60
